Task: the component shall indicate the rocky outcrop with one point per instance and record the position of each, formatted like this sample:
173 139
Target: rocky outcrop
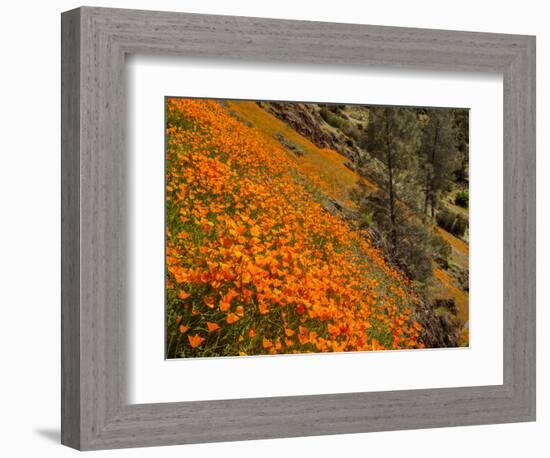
335 207
306 120
439 330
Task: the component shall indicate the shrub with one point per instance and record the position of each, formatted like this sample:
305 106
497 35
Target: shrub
462 199
331 118
441 250
460 226
366 219
452 222
445 219
351 131
411 253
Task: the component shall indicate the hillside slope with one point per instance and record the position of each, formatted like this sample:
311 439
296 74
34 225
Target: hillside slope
337 180
323 165
254 262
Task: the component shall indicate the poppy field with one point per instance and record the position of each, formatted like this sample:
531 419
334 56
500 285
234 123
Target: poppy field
255 264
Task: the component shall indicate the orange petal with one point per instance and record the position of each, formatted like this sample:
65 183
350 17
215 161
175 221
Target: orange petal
212 326
182 294
232 318
289 332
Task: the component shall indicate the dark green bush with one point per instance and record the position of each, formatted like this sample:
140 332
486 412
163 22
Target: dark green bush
460 225
445 219
462 199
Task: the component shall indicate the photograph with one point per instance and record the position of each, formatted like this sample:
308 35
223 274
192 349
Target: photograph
297 227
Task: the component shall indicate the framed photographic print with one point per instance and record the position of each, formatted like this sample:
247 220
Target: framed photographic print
286 228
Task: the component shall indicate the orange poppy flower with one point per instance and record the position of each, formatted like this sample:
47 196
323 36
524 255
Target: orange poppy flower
195 340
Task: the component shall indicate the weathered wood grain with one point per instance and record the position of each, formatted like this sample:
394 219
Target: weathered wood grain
70 229
95 42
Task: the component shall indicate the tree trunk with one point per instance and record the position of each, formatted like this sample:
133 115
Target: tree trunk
431 192
391 193
426 199
390 189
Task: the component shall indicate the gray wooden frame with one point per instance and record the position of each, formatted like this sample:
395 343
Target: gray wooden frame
95 413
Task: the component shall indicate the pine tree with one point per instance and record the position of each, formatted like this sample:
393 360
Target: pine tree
438 157
393 137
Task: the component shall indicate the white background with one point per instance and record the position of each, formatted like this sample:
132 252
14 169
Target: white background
29 234
155 380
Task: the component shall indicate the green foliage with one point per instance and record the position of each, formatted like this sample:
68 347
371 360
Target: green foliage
441 250
337 118
331 118
452 222
366 219
462 199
